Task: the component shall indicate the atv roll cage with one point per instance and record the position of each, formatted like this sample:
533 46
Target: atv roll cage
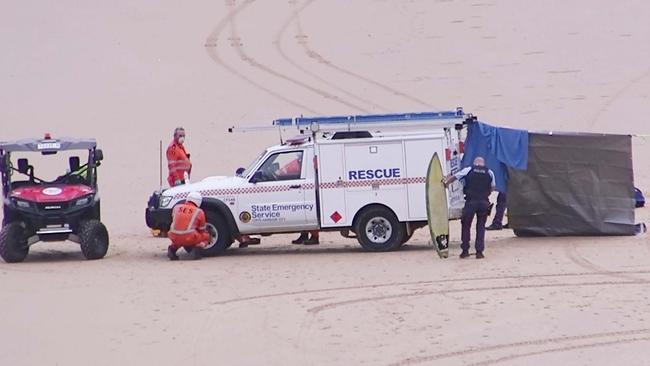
86 173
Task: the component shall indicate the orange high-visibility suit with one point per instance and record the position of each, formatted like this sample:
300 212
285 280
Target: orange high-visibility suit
178 162
188 227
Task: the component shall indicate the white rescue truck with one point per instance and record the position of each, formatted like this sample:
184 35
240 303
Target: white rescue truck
360 174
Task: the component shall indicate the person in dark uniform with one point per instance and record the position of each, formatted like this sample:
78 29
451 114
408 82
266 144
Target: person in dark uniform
478 184
497 221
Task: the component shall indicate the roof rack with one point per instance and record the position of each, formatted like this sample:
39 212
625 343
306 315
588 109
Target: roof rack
417 120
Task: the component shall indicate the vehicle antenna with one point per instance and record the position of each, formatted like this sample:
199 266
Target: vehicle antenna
160 163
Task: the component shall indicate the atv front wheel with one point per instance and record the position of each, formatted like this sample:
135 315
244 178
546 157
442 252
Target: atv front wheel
93 239
13 243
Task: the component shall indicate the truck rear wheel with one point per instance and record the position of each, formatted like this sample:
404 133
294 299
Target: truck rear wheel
13 243
220 234
378 230
93 238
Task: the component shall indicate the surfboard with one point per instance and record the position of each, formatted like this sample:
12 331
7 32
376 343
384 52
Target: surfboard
437 207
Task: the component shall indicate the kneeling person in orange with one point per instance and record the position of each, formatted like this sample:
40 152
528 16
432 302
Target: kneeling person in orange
188 227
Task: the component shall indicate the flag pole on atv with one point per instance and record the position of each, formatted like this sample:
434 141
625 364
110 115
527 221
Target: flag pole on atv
160 162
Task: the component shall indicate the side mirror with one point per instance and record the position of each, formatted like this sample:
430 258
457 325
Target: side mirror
239 171
74 163
99 155
23 165
257 177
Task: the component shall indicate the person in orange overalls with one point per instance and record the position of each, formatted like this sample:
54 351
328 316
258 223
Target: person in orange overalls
178 160
188 228
292 169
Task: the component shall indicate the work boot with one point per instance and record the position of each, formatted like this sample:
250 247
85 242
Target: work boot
494 227
301 239
311 241
195 254
464 254
506 226
479 255
245 241
171 254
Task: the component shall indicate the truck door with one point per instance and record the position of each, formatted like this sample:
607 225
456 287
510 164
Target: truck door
311 216
453 155
331 169
274 198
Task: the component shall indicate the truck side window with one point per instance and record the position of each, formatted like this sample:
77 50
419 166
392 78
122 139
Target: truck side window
282 166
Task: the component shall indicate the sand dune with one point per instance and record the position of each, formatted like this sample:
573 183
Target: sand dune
129 72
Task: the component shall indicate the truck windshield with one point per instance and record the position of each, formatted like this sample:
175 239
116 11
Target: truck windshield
37 169
252 165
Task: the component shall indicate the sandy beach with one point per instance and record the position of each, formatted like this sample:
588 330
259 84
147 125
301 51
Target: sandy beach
127 73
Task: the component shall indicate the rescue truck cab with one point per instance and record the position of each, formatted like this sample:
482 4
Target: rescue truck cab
361 174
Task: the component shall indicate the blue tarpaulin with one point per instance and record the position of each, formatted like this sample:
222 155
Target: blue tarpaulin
501 148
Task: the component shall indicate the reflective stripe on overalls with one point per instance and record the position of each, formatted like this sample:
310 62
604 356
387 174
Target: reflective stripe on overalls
190 226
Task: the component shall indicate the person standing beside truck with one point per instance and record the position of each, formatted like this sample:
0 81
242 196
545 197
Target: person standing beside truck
478 184
178 160
497 221
305 238
188 228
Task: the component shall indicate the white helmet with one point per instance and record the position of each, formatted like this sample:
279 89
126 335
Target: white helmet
195 198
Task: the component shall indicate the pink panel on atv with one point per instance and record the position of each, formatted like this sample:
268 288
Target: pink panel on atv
51 193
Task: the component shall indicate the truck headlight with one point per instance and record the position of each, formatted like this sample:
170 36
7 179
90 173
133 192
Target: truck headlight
83 201
165 200
21 203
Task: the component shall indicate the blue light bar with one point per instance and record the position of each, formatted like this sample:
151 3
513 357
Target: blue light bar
371 118
283 122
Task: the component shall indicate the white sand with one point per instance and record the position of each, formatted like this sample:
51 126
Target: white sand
128 73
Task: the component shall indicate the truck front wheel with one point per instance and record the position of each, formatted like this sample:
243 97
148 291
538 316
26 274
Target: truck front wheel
378 230
220 234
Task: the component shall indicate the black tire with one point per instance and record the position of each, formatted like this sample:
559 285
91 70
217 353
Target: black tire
93 238
223 233
378 229
13 243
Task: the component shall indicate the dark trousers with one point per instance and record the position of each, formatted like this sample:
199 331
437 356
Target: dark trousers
480 209
500 209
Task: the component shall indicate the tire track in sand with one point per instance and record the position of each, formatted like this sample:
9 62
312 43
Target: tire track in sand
572 253
530 343
236 42
420 293
427 282
308 321
278 45
212 47
303 40
621 92
560 349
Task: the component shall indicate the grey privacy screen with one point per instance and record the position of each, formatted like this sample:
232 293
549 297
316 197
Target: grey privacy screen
575 184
